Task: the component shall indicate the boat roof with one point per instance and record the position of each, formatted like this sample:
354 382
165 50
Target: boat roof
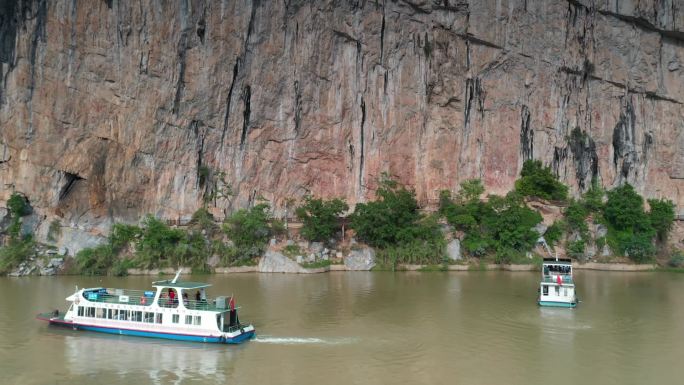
181 284
559 261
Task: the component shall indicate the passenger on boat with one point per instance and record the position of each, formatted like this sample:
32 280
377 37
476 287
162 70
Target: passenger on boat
172 296
198 296
185 298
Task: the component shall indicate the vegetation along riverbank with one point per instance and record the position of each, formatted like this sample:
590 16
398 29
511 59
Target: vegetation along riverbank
610 230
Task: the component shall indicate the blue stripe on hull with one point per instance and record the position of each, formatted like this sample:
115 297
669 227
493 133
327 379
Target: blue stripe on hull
178 337
138 333
557 304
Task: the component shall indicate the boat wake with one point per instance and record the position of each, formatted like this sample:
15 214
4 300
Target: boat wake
302 340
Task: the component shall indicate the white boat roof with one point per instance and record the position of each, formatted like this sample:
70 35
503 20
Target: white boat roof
180 284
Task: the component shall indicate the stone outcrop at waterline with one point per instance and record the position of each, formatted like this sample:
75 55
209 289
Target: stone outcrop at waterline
111 110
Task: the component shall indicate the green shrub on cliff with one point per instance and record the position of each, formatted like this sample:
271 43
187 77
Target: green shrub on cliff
662 216
575 216
248 227
510 223
555 232
320 218
193 250
156 244
393 219
394 225
122 235
576 248
629 227
249 230
501 227
95 261
538 181
16 251
18 205
17 248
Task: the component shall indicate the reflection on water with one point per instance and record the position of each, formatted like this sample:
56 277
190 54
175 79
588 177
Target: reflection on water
91 353
371 328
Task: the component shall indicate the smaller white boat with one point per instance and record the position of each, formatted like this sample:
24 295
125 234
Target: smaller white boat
557 287
174 310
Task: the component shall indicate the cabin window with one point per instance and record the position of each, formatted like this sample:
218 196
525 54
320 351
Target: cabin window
115 313
149 317
188 319
109 314
198 320
90 312
123 315
175 318
136 316
80 311
101 313
545 290
158 318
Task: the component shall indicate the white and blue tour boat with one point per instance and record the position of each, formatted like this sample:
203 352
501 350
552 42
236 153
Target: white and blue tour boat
557 286
174 310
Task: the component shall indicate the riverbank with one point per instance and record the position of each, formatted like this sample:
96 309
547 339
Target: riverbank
619 267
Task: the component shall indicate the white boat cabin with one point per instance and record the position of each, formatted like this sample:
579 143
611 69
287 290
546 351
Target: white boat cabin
557 287
173 307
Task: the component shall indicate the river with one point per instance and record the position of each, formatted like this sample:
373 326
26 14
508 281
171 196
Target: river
370 328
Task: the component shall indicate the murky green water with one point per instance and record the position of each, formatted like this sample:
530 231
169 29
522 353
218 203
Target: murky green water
371 328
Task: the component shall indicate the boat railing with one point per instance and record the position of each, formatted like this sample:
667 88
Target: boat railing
553 279
146 298
230 329
120 296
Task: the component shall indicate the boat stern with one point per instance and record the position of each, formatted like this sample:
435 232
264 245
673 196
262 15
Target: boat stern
239 335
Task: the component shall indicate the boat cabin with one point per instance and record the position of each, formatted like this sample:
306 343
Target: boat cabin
172 310
557 287
179 304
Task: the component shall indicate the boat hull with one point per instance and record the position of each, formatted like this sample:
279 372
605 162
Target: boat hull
557 304
59 321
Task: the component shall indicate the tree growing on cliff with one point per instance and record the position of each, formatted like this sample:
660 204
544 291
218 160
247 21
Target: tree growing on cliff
393 224
509 223
390 219
17 248
662 216
157 243
630 229
320 218
249 229
471 190
502 226
537 180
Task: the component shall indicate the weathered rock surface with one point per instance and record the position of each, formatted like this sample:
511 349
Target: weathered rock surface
275 262
540 228
454 250
111 110
360 259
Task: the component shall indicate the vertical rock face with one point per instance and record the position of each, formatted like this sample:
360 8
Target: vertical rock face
113 109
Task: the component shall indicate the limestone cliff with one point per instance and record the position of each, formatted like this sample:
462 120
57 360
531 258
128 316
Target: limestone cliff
113 109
